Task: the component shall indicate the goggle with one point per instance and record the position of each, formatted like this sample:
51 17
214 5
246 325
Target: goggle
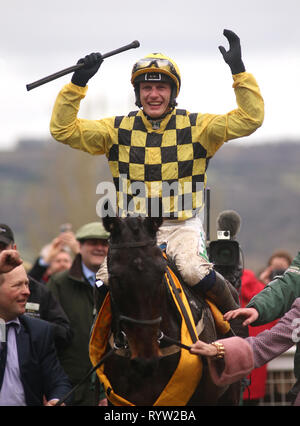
160 64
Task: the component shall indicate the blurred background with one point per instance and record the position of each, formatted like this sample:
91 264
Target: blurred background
44 184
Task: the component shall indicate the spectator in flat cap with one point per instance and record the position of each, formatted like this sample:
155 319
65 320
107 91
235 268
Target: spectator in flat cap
75 290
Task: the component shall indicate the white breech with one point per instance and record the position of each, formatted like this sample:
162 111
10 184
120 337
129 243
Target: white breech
185 244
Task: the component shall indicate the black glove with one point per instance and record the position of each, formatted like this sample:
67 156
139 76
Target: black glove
91 63
234 55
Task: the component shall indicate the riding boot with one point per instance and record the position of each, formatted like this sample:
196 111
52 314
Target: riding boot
219 291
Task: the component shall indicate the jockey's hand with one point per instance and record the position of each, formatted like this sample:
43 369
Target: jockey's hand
250 315
205 349
233 57
91 63
9 259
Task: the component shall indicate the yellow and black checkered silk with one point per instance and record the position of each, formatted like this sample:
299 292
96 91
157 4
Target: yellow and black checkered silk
159 171
179 151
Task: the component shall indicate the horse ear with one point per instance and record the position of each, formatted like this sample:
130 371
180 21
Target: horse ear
153 224
111 224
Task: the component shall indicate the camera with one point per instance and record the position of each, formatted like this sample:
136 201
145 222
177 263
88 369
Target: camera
224 253
223 235
65 227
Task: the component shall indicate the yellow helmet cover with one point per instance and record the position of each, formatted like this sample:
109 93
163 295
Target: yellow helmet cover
156 63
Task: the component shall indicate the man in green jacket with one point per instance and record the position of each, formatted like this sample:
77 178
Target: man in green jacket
273 302
75 290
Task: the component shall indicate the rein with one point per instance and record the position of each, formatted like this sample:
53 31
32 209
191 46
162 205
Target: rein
106 356
171 340
123 318
103 359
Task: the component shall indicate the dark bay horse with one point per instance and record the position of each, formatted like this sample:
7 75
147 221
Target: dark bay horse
144 315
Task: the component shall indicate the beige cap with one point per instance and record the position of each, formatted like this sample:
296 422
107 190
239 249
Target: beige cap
93 230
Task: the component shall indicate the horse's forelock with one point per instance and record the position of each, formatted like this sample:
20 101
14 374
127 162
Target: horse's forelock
134 224
112 224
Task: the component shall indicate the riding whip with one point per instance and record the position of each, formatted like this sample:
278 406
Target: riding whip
76 67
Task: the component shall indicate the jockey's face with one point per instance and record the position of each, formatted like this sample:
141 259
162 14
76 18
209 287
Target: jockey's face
155 98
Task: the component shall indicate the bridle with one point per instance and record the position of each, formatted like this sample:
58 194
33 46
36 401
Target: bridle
130 320
124 318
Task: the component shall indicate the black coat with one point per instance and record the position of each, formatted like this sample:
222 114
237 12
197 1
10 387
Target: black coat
40 371
41 304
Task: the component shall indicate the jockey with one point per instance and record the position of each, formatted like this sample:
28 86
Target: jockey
163 152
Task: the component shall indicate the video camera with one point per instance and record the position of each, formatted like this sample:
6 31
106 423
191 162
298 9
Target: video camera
225 255
225 252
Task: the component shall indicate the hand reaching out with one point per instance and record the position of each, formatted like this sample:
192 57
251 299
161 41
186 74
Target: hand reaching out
250 315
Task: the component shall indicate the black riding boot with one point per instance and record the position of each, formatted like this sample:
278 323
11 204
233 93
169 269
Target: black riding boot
219 291
223 294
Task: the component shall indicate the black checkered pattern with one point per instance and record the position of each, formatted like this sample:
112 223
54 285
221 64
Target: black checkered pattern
171 154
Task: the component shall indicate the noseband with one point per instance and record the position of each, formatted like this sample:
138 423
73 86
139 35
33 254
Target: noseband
155 321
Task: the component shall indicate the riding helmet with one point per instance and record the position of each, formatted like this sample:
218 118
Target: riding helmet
156 67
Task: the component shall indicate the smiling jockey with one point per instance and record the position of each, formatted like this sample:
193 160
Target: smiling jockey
165 151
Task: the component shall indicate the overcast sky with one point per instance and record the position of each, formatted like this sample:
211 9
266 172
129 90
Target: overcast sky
42 37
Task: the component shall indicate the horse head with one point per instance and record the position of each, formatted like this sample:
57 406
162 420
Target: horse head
136 270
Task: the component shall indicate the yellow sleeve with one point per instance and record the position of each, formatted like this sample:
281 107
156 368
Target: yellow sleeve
242 121
92 136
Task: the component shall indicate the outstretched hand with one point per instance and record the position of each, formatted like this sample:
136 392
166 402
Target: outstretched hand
233 57
250 315
9 259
